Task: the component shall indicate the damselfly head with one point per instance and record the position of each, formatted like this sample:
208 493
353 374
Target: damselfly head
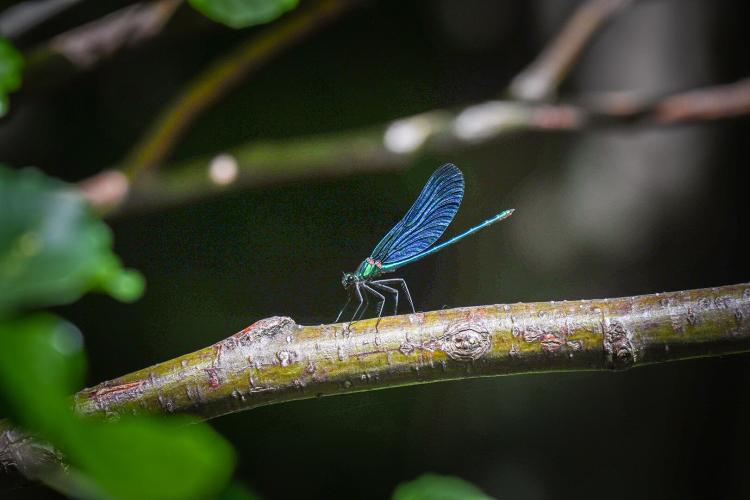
348 279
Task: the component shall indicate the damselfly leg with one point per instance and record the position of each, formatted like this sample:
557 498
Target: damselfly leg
362 302
380 296
348 300
402 283
362 290
388 289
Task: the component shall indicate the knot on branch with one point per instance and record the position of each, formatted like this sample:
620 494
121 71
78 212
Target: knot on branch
618 347
269 327
466 341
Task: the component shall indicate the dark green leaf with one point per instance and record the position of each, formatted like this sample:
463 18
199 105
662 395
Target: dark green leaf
41 363
238 491
11 65
243 13
142 458
434 487
52 248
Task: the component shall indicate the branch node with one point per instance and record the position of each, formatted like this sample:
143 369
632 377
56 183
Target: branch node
618 345
466 340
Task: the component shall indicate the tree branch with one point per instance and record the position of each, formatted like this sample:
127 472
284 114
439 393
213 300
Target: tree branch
23 16
109 189
275 360
30 458
541 78
222 76
87 45
394 145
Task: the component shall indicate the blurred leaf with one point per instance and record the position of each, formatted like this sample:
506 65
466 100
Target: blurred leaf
434 487
52 248
243 13
41 363
238 491
11 65
143 458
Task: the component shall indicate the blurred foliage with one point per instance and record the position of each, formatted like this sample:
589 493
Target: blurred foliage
238 491
243 13
434 487
53 250
41 363
11 64
151 458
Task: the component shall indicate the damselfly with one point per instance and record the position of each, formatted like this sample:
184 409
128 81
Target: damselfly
410 240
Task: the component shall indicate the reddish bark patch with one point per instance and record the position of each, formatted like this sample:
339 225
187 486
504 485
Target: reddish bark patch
551 343
213 378
117 390
268 326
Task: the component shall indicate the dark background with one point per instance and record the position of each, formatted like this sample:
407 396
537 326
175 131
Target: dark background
609 212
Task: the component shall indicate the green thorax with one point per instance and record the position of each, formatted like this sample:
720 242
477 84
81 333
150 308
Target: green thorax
369 268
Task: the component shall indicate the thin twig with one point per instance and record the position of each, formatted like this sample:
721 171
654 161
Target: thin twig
394 145
84 46
539 81
275 360
222 76
99 39
19 18
270 161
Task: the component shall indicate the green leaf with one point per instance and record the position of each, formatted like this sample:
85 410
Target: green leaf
52 248
41 363
142 458
238 491
11 65
243 13
435 487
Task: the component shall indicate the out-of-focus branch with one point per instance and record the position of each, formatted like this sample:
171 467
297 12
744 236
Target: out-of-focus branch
270 161
394 145
541 78
275 360
31 458
86 45
705 104
222 76
101 38
23 16
218 79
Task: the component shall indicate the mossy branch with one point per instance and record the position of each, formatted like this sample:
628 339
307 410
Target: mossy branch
275 360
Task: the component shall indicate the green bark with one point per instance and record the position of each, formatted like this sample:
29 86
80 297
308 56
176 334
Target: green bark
275 360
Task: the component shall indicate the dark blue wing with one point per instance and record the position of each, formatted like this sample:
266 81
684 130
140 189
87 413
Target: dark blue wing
427 219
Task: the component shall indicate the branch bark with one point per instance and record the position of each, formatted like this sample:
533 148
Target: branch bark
275 360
